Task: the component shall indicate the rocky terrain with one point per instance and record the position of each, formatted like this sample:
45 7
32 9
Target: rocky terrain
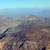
6 22
33 33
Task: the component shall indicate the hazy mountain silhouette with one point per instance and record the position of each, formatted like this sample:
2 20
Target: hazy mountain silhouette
16 12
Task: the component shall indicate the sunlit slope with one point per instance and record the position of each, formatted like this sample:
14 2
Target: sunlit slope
6 22
32 33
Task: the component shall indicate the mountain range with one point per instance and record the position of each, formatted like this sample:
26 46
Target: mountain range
7 21
32 33
17 12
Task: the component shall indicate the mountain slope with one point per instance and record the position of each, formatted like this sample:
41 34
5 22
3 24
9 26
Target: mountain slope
32 31
6 22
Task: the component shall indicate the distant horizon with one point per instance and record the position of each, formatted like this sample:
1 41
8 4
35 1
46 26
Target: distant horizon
27 8
15 12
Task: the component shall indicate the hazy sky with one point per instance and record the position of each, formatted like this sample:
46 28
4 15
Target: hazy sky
24 4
